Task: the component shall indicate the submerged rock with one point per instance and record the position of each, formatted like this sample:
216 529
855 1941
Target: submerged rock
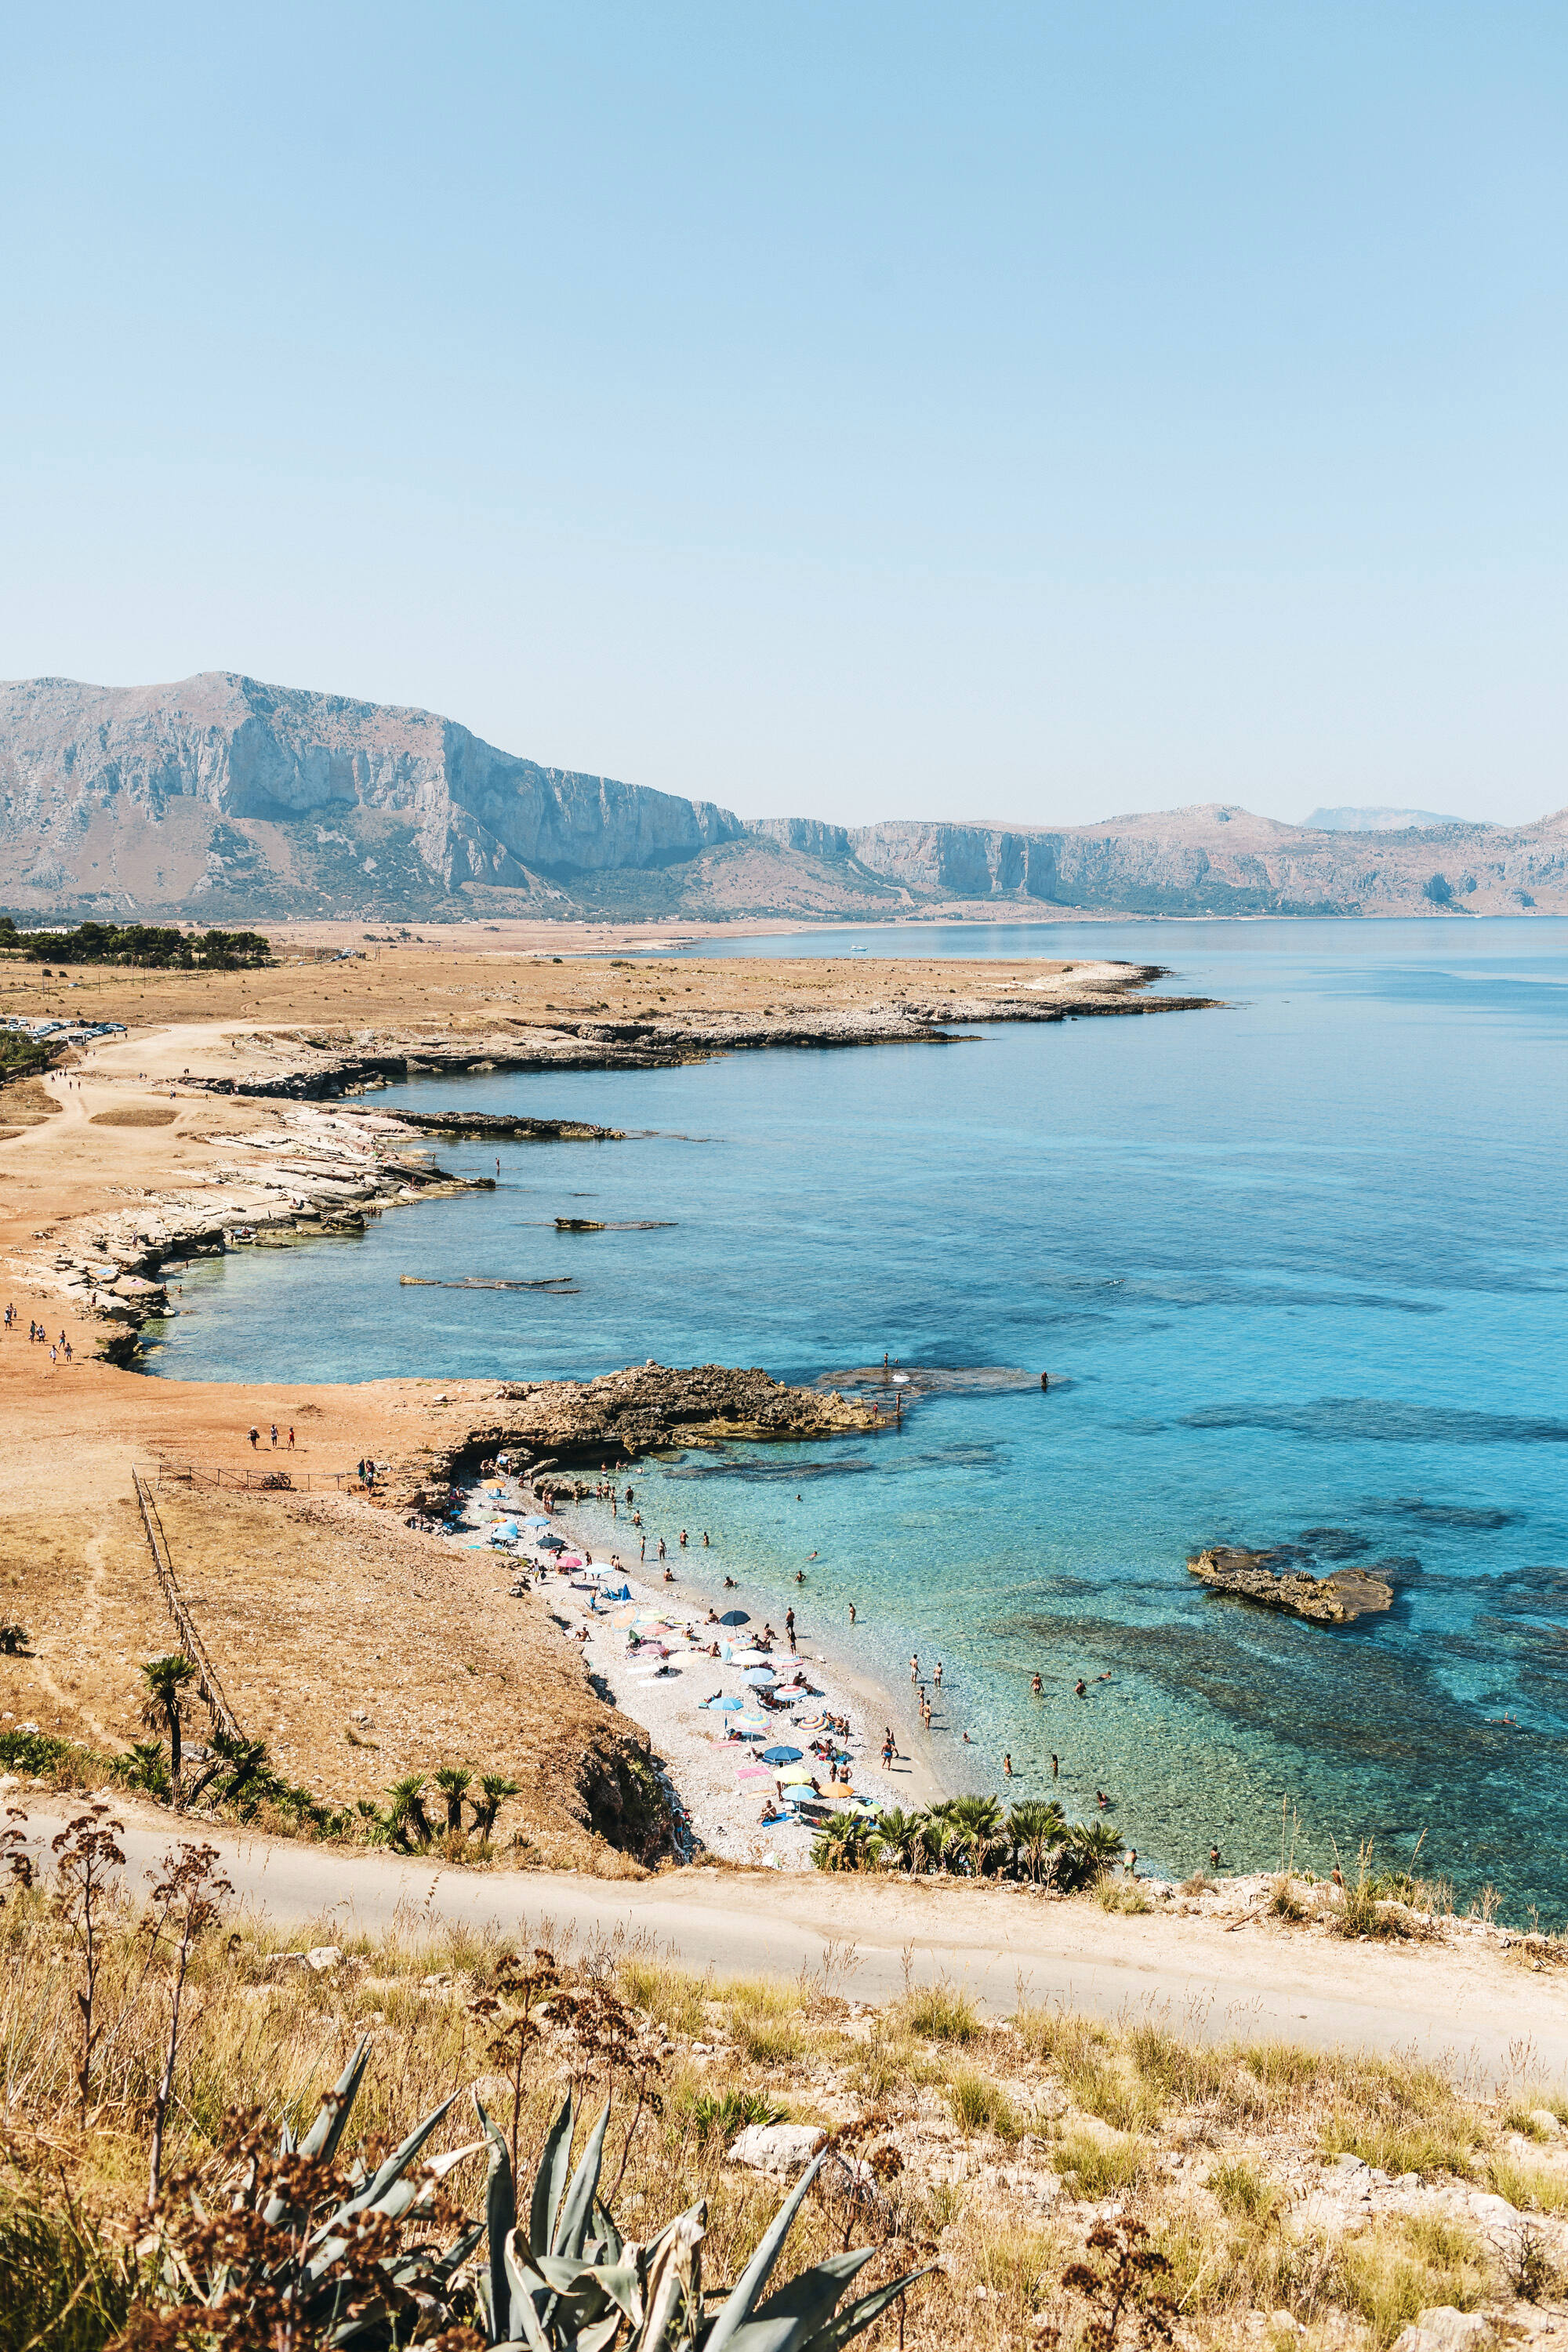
1336 1600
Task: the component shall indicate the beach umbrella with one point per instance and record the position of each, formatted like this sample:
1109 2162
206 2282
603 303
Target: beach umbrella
746 1656
549 1543
751 1722
756 1676
726 1705
734 1617
536 1523
780 1755
789 1773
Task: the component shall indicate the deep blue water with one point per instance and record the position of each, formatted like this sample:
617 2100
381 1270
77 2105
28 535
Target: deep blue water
1295 1265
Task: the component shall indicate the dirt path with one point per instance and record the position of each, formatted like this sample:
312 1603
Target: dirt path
1458 2000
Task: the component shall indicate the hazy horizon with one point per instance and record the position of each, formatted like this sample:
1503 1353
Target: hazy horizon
1028 417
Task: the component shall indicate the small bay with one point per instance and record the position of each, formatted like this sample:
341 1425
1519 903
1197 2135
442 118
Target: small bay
1297 1268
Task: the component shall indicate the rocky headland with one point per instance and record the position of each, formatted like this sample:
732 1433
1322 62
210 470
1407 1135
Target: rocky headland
550 1427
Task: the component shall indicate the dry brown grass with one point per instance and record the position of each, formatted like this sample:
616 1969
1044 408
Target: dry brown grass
316 1614
992 2148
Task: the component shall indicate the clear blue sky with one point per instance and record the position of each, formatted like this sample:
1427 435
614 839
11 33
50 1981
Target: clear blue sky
852 411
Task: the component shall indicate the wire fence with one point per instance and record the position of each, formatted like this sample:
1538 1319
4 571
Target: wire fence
275 1480
208 1685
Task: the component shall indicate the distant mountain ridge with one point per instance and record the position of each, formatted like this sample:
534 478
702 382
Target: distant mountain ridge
1375 820
223 797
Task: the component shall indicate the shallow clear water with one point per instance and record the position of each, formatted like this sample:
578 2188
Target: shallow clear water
1296 1264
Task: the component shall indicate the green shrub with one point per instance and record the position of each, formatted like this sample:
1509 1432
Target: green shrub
979 2105
940 2013
1242 2192
1101 2168
63 2288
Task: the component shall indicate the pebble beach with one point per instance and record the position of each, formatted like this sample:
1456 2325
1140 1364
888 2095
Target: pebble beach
694 1664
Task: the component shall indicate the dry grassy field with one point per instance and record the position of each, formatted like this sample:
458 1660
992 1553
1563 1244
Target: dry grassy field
1289 2197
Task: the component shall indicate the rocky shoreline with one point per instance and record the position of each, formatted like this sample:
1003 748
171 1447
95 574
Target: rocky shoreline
314 1172
321 1065
552 1429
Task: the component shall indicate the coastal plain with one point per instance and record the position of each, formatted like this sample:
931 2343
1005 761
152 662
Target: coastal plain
243 1104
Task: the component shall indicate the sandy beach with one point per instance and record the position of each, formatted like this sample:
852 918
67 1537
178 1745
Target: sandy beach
650 1654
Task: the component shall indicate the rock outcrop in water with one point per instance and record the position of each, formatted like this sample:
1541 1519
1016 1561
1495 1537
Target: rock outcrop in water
1336 1600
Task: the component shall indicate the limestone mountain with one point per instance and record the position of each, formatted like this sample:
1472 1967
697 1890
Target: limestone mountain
222 798
221 790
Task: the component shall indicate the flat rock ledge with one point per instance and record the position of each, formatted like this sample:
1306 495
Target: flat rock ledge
1336 1600
549 1426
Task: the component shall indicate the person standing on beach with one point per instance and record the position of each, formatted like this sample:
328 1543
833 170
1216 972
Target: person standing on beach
914 1665
851 1612
789 1628
275 1437
661 1546
290 1437
255 1439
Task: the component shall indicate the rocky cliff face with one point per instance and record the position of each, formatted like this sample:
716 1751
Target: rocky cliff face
226 799
187 793
1222 860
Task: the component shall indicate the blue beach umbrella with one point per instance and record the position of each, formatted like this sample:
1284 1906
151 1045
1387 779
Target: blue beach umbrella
726 1705
757 1676
734 1617
781 1756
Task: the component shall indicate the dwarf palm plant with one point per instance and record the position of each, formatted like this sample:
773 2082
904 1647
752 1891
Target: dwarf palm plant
1034 1828
903 1836
164 1706
979 1820
494 1790
406 1818
453 1781
846 1843
1092 1847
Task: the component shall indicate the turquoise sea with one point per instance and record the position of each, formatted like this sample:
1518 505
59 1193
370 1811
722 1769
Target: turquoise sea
1298 1272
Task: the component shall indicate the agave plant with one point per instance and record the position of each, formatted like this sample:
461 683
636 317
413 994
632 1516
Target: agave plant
306 2253
571 2283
